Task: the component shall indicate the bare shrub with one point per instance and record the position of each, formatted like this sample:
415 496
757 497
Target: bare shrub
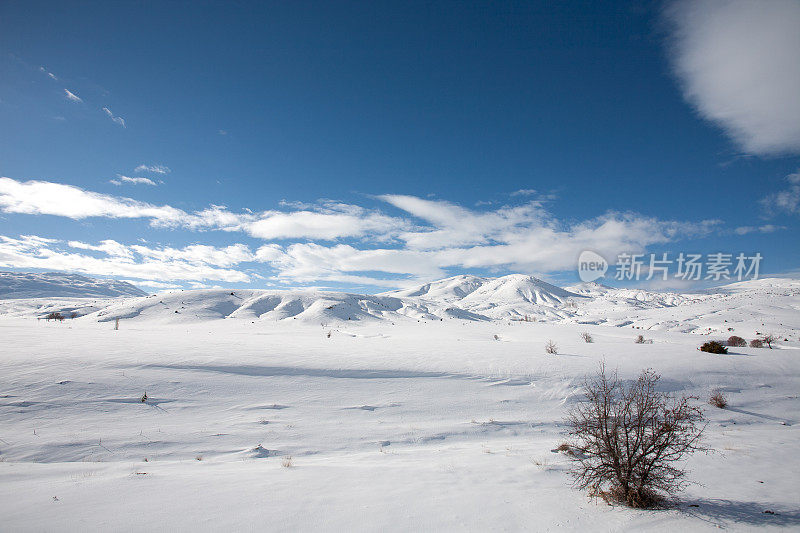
628 440
55 316
756 343
286 462
717 399
551 347
713 347
768 340
641 340
565 448
735 340
587 338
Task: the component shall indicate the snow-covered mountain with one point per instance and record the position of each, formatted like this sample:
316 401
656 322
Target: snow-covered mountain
444 290
14 285
746 308
515 296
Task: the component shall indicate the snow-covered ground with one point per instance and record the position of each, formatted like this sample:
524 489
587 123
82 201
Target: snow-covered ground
390 412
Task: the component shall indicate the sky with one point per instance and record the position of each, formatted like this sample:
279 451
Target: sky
364 146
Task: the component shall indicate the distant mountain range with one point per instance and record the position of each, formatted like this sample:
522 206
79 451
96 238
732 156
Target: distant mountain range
57 284
745 308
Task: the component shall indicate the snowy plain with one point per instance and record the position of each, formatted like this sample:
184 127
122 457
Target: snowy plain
322 411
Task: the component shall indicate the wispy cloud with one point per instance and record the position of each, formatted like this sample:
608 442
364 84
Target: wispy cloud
766 228
329 221
115 259
108 247
48 198
134 181
737 61
72 96
48 73
117 120
430 237
524 192
156 169
788 200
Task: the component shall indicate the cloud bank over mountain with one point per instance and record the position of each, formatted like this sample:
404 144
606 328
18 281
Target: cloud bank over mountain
405 239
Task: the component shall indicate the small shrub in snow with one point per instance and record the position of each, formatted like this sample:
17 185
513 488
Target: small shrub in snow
286 462
735 340
144 397
564 447
640 340
628 442
713 347
551 347
717 399
756 343
586 337
768 340
55 316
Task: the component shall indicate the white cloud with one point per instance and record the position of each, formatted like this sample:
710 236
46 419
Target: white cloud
47 198
384 250
108 246
520 239
156 169
310 262
453 225
48 73
72 96
738 63
199 254
329 221
524 192
766 228
787 200
134 181
150 284
162 265
118 120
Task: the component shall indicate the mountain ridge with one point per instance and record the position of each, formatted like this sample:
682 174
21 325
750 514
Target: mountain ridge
768 304
19 285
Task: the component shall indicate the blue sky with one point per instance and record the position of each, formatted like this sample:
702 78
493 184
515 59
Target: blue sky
367 145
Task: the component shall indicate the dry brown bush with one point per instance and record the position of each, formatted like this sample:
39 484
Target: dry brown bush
717 399
735 340
628 440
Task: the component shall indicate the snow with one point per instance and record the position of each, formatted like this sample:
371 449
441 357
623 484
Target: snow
398 412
